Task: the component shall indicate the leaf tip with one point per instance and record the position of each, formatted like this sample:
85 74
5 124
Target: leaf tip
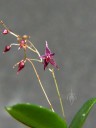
8 108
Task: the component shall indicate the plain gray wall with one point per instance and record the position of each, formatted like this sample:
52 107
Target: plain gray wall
69 26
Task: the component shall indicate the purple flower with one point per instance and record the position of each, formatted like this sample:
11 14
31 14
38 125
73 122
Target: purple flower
48 57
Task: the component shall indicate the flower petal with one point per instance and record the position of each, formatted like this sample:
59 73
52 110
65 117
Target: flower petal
53 63
47 50
45 64
52 54
43 56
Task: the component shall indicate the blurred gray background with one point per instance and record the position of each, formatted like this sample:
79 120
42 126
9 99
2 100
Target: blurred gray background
69 26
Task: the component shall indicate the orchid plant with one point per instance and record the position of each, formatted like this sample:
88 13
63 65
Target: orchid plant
36 116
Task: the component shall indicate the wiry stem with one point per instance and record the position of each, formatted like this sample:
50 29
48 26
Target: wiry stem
41 84
35 49
62 108
36 60
12 33
13 44
1 22
31 49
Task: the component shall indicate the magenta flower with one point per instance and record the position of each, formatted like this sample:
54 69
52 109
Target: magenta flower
48 57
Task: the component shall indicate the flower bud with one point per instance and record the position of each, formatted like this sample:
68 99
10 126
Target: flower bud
5 31
22 43
21 65
7 48
25 37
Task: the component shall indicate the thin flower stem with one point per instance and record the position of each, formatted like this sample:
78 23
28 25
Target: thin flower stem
1 22
41 84
25 56
13 44
31 49
32 44
13 33
8 29
62 108
36 60
34 48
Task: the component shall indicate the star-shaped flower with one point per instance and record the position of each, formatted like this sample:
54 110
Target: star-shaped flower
48 57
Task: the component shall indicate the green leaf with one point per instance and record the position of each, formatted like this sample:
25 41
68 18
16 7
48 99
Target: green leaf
82 114
36 116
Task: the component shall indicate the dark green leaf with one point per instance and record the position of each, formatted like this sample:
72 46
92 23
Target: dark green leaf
82 114
36 116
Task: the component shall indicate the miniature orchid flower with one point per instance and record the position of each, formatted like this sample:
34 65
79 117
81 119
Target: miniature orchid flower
48 57
21 65
7 48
